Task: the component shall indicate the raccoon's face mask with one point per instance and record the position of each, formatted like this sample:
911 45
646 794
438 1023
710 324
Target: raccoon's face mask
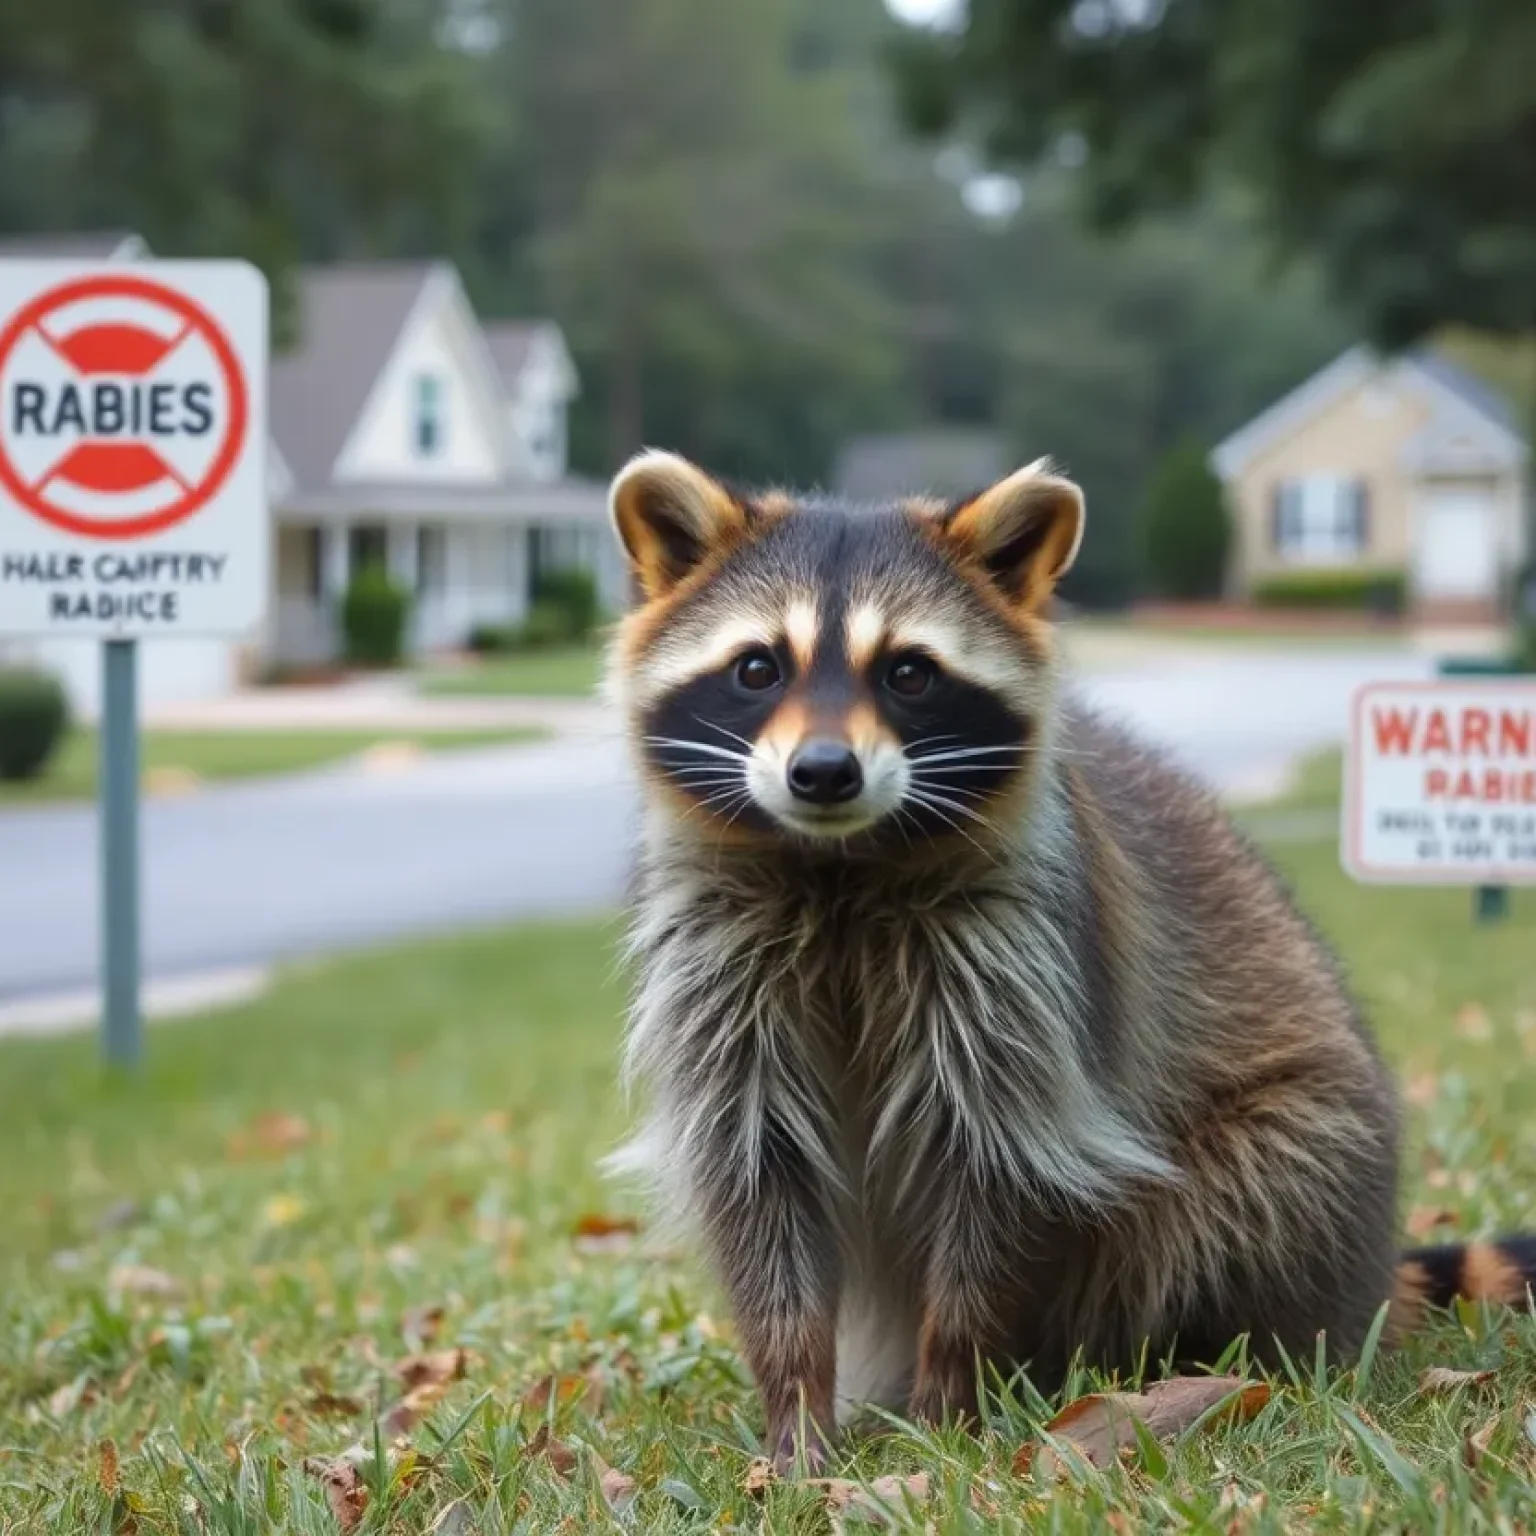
813 671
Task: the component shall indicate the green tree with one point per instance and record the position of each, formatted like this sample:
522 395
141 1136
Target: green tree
1185 528
1395 142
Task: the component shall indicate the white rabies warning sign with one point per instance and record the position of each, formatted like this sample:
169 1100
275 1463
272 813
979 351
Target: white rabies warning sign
133 442
1440 784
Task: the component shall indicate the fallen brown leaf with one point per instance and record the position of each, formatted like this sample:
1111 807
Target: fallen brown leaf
1441 1378
334 1405
106 1467
605 1234
421 1325
1098 1427
345 1491
1422 1090
618 1488
587 1389
434 1367
141 1280
759 1476
1424 1219
1474 1449
72 1395
556 1452
875 1500
413 1408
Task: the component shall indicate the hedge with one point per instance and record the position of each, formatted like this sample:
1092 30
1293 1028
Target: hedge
1384 592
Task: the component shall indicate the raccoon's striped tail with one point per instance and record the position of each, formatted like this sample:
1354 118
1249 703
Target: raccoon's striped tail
1501 1271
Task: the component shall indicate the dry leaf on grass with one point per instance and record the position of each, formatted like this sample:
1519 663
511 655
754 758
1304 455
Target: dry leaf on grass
432 1368
334 1405
141 1280
1474 1449
78 1393
587 1390
875 1500
421 1325
1441 1378
1424 1219
1422 1090
619 1488
413 1408
556 1452
345 1491
107 1467
759 1476
605 1234
1098 1427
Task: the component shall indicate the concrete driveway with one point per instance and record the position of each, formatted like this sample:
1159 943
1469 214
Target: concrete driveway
244 875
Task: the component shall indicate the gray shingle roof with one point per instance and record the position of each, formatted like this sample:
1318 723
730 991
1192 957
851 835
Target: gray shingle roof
77 245
1469 389
349 318
944 462
510 342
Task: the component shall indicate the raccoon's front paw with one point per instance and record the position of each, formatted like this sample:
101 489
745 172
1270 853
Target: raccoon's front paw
946 1381
796 1454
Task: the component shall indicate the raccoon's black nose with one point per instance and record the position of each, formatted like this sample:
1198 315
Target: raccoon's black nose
824 772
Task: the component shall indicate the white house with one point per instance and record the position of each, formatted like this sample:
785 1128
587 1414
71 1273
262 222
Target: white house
413 435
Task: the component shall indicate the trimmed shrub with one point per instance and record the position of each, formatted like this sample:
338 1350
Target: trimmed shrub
1185 531
573 592
1380 592
373 617
547 626
492 639
34 715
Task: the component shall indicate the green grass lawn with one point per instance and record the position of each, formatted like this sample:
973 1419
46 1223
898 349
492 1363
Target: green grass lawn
568 672
71 775
210 1276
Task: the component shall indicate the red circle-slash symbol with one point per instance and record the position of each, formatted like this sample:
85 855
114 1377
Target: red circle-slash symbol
127 459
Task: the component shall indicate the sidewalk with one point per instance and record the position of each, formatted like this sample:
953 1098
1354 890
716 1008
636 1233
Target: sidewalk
388 703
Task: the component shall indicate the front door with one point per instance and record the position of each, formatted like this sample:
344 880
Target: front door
1458 556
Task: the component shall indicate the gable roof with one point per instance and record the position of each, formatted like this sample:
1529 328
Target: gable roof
941 462
1450 388
75 245
350 317
510 343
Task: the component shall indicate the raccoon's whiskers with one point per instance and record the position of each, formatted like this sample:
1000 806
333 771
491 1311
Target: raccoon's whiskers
706 748
959 754
730 735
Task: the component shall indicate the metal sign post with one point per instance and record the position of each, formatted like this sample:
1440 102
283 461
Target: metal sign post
133 507
120 1033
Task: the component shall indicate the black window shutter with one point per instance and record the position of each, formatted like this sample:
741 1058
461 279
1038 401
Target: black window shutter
1362 511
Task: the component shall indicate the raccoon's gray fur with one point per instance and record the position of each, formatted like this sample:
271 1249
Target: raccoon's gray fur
1013 1051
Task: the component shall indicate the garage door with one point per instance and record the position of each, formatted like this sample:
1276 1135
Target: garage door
1458 547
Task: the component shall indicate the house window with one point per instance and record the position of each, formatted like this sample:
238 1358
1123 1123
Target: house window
431 559
428 426
367 546
1320 519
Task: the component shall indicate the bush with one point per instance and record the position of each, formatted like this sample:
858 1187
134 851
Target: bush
547 626
573 593
1185 532
373 616
492 639
34 714
1380 592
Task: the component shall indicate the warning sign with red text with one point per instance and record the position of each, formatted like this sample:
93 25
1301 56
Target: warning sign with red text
133 443
1440 784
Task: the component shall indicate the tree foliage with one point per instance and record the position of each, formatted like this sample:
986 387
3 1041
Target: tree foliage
1186 530
1397 142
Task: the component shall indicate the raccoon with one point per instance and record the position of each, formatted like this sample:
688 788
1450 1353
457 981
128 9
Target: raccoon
975 1034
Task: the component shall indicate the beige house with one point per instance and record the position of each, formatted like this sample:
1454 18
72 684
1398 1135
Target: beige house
1406 466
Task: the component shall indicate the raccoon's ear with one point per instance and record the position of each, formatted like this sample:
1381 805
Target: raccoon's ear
1024 531
669 515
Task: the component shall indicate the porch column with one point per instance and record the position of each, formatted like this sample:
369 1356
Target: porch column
333 561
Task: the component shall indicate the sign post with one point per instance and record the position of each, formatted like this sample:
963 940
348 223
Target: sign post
120 852
133 505
1440 786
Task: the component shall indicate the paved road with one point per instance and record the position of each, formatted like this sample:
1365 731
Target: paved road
248 874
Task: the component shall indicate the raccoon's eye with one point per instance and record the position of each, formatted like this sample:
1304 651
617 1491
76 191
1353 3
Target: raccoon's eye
909 676
757 671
